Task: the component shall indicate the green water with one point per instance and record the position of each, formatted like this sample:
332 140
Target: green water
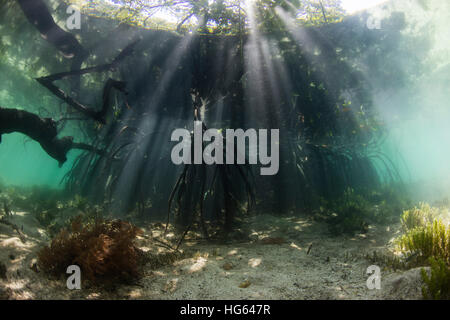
419 134
363 112
24 163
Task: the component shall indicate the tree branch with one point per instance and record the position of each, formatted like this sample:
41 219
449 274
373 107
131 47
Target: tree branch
99 116
38 15
42 130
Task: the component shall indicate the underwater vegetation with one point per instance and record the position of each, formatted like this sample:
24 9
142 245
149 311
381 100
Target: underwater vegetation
54 209
437 284
350 215
104 250
353 211
91 111
425 235
418 216
426 241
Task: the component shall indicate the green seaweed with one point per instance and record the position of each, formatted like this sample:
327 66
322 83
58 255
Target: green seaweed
424 242
437 283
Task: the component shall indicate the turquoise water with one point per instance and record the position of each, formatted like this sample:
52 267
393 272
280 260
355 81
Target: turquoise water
418 130
24 163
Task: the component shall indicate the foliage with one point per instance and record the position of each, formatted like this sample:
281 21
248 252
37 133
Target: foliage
52 208
303 12
437 284
418 217
353 211
350 213
388 201
321 11
44 203
425 241
216 17
103 250
69 211
387 259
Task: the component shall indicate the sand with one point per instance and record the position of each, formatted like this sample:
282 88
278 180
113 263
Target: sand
275 258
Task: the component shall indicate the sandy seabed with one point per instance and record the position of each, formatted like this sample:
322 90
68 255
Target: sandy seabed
291 258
